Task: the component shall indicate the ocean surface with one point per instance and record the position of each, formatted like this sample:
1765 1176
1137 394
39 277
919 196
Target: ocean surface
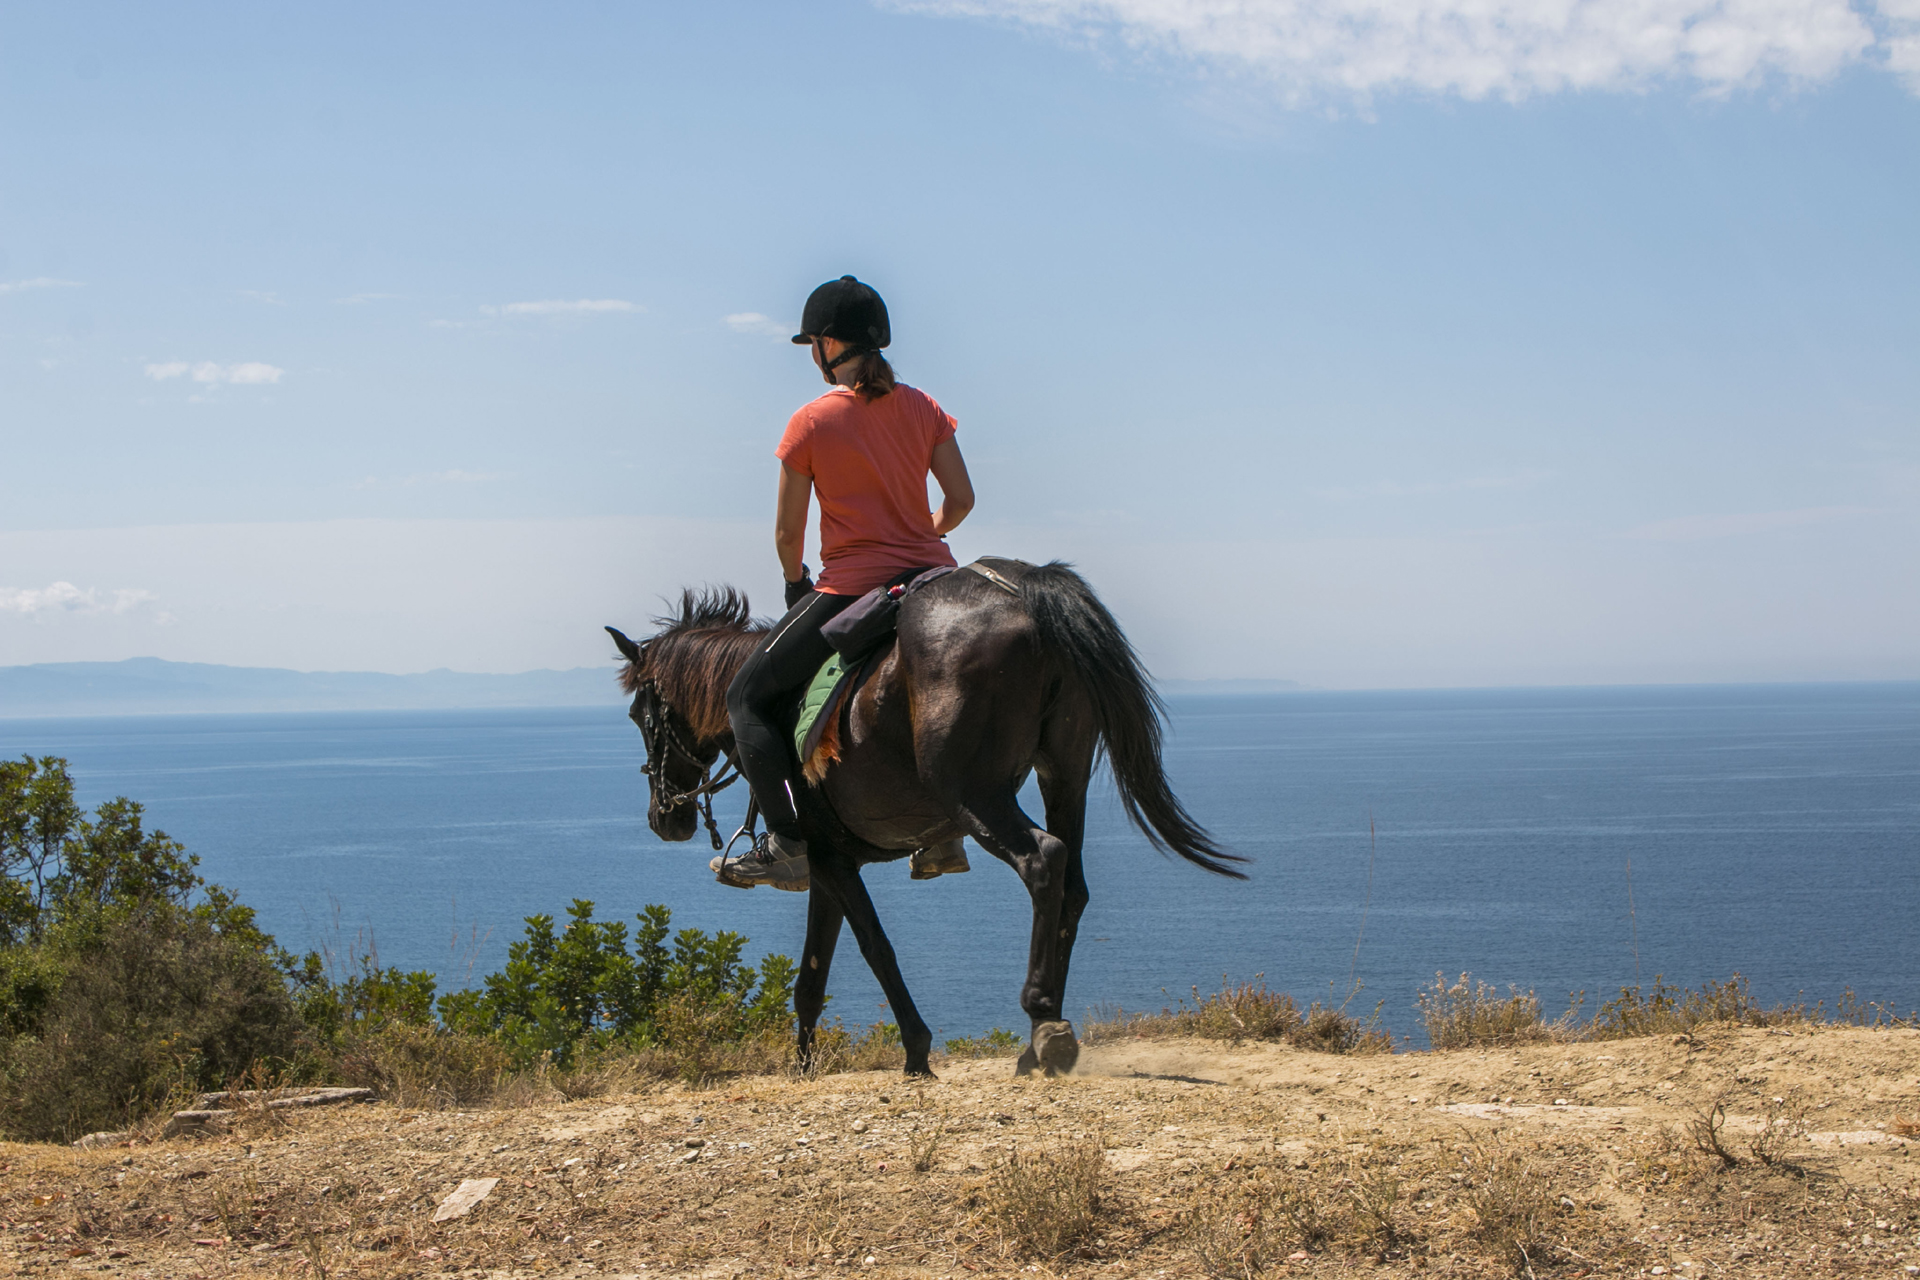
1771 830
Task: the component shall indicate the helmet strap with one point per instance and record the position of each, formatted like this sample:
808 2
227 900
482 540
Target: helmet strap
827 366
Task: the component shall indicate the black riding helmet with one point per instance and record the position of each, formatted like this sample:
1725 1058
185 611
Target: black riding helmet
849 311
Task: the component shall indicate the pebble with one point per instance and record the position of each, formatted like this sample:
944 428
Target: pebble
692 1142
859 1126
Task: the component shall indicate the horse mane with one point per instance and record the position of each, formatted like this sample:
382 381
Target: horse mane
695 655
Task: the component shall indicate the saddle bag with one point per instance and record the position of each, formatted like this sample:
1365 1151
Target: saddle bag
870 621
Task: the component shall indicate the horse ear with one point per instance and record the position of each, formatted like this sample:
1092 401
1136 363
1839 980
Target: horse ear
628 649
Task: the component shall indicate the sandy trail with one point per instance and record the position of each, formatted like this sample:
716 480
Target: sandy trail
796 1177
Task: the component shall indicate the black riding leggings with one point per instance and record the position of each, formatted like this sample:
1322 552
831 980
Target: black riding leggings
778 669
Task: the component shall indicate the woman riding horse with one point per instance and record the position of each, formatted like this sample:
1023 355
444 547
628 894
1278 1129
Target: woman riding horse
866 447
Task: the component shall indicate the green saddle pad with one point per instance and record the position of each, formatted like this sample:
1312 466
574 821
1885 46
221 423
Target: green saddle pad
816 700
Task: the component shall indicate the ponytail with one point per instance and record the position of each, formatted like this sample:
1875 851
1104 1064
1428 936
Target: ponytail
875 376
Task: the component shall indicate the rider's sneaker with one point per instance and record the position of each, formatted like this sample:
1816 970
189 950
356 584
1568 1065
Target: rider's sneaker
774 860
945 859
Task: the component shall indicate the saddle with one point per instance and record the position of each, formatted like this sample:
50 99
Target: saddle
861 634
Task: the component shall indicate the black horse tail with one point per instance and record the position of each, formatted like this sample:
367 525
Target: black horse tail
1076 627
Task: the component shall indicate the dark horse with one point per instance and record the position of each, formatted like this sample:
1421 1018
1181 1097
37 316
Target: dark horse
995 675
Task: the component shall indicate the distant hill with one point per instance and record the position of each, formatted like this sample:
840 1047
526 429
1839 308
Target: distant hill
152 686
1224 687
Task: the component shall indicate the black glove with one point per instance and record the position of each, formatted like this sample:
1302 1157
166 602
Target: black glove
797 591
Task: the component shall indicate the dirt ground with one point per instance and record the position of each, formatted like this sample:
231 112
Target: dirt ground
1256 1159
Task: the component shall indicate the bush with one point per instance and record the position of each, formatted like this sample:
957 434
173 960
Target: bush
123 976
158 1001
1668 1010
1464 1014
1250 1011
582 990
423 1066
997 1043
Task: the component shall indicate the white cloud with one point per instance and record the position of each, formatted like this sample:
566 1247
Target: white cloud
1902 40
38 282
1694 528
560 307
251 373
1476 49
754 322
262 295
64 597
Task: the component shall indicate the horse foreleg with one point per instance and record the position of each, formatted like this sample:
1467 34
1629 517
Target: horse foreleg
841 881
810 986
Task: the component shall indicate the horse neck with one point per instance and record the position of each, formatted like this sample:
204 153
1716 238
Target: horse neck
695 671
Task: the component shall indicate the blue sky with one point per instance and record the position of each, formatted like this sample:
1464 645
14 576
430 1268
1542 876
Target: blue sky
1359 346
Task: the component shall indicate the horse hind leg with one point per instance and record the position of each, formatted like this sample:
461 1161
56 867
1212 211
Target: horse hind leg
1049 867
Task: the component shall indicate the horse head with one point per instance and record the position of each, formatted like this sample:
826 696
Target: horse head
678 680
676 762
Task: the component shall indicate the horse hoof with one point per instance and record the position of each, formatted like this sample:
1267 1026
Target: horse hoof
1029 1061
1054 1047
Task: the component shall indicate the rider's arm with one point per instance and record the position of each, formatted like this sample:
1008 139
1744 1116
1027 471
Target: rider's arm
790 522
956 489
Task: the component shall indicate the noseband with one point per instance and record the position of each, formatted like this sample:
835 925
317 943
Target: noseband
659 737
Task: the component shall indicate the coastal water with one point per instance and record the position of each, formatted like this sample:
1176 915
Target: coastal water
1770 830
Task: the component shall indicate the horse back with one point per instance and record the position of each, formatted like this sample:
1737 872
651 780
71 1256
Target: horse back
958 703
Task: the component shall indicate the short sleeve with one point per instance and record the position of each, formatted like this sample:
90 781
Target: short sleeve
796 444
944 423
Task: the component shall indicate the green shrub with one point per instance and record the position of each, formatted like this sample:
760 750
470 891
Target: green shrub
583 990
994 1044
155 1001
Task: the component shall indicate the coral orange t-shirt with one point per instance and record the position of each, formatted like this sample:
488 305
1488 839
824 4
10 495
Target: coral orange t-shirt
868 460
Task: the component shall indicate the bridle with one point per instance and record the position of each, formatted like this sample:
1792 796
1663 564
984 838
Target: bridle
659 736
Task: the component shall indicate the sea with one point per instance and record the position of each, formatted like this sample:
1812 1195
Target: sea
1555 840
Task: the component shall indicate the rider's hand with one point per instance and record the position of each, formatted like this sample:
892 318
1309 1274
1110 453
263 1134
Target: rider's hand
797 591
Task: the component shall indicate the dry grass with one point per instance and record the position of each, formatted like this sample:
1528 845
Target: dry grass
1667 1010
1512 1209
1234 1236
1465 1014
1783 1128
1249 1011
1044 1201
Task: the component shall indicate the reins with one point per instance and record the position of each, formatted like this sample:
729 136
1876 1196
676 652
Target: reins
658 734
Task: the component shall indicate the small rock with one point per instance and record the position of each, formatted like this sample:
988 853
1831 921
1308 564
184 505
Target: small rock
502 1147
1562 1102
859 1126
568 1164
696 1142
691 1156
1297 1257
463 1197
105 1139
